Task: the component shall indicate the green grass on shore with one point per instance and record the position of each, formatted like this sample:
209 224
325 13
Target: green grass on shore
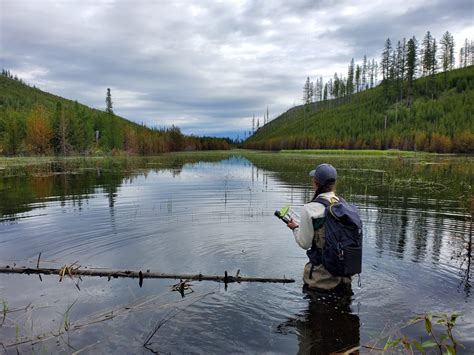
9 162
354 152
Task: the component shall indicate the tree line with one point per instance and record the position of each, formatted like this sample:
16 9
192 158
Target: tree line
399 66
421 102
34 122
359 77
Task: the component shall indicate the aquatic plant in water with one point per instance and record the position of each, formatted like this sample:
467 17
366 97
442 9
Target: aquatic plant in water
443 339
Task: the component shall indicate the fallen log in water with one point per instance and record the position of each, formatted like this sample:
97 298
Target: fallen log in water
139 274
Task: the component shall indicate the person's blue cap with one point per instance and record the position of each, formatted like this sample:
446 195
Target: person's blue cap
324 174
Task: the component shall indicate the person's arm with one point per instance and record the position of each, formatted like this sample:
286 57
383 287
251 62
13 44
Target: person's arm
304 232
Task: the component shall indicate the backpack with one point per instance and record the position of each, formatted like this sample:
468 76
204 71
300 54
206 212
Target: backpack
342 251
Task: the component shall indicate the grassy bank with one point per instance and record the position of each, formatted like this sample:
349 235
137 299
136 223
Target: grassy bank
75 162
348 152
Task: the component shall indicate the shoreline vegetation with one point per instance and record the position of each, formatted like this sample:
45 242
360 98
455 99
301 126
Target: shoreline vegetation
438 118
36 123
348 152
40 165
6 161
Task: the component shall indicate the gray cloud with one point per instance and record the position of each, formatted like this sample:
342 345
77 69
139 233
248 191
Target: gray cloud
205 66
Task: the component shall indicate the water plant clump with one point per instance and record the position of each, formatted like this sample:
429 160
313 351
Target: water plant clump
440 331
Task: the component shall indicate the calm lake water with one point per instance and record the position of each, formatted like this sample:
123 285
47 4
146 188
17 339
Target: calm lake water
212 212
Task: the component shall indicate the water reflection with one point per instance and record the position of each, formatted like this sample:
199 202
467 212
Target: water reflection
412 210
465 257
210 214
327 326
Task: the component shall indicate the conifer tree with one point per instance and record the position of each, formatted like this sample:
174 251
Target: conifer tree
399 65
427 54
372 74
447 51
401 59
387 68
364 73
56 122
307 91
330 89
342 86
321 88
335 87
393 69
357 78
376 72
434 61
411 64
108 102
13 132
471 53
63 134
350 79
316 91
386 59
466 52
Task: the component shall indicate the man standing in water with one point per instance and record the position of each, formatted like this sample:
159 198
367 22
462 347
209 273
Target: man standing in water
309 233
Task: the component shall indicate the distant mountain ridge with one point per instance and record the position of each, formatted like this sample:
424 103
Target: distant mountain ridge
439 119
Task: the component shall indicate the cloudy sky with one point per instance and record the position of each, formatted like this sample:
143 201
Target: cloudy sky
206 66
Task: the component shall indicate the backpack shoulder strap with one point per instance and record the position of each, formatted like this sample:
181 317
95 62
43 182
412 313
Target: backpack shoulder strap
322 201
326 203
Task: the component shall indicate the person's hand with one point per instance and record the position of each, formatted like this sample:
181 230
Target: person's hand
292 224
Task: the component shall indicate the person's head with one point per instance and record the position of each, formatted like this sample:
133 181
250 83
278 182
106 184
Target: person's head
324 178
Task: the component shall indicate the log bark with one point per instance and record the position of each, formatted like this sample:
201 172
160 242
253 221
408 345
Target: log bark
7 269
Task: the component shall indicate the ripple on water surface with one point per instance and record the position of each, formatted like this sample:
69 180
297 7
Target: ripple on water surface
216 217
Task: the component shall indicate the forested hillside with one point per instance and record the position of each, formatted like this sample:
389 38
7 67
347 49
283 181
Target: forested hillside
433 113
36 122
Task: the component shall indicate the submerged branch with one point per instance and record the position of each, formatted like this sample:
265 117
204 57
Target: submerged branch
140 275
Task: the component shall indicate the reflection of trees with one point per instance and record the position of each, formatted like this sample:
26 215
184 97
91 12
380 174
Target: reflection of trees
411 215
70 181
420 236
22 194
463 253
327 325
392 226
380 232
438 236
381 177
402 234
15 196
467 262
417 203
